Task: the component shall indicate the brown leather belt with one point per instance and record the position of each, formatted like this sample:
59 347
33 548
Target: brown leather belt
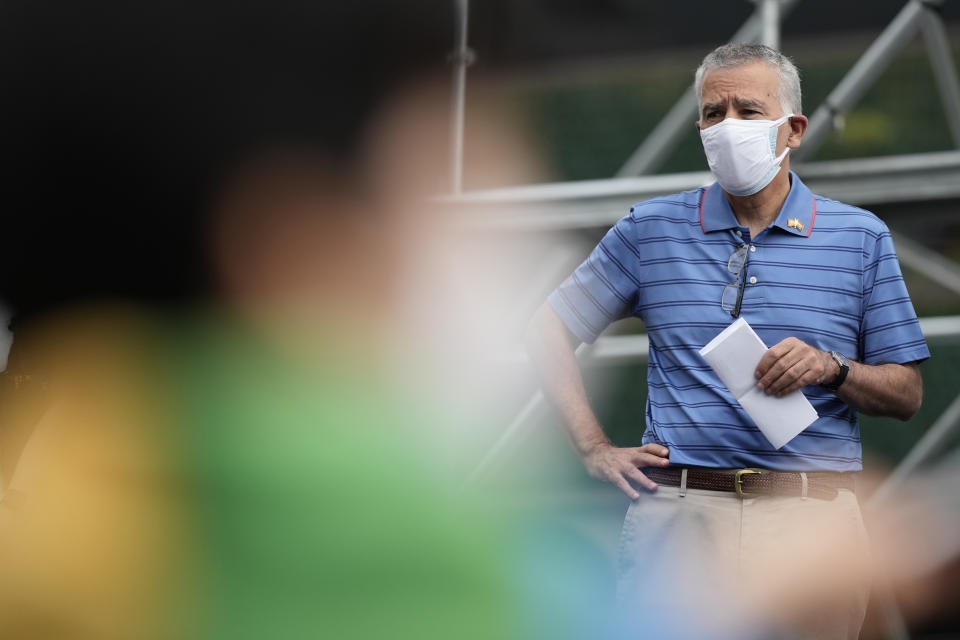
748 483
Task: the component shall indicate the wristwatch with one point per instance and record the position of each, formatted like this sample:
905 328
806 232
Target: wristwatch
844 365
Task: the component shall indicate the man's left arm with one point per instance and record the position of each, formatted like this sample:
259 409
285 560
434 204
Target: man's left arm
889 389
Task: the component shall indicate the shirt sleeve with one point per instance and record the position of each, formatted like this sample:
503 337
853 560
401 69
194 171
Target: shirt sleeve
604 288
890 331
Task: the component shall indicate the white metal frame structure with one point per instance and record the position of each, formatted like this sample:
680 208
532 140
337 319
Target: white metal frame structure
762 26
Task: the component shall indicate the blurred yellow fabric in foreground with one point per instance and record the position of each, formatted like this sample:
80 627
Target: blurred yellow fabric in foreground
190 479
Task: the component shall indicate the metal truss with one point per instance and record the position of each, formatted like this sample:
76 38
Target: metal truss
916 16
586 204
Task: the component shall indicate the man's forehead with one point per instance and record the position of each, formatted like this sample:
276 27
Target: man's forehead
739 102
753 81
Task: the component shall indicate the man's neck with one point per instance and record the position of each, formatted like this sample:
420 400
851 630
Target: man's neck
757 212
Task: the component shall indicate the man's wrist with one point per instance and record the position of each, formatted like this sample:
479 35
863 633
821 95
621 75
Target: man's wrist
830 369
838 368
591 446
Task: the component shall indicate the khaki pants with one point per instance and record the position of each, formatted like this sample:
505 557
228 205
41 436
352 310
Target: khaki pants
708 564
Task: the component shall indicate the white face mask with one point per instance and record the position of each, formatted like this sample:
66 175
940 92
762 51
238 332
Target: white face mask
742 153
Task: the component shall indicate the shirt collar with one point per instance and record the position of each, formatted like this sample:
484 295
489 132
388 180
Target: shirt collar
796 215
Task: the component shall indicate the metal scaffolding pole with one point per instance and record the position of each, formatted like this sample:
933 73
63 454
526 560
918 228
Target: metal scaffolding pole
653 152
863 74
770 10
931 264
944 70
933 442
461 57
519 425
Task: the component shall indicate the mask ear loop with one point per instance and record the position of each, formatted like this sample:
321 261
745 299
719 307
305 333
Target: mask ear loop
777 124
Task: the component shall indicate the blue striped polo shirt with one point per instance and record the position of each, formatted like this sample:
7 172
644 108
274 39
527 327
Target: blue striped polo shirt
823 272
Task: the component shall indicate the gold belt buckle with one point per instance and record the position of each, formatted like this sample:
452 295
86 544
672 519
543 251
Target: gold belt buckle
738 482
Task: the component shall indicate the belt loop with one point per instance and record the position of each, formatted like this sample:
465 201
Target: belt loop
683 482
803 485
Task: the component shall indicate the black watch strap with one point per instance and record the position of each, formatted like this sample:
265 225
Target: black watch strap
844 365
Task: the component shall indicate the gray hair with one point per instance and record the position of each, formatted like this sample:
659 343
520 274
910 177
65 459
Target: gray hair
737 54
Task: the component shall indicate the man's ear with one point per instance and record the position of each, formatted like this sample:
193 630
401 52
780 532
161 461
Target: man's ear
798 126
696 123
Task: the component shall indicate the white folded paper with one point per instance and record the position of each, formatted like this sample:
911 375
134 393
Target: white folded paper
734 355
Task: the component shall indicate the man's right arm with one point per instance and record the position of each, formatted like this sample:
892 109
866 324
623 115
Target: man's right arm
551 348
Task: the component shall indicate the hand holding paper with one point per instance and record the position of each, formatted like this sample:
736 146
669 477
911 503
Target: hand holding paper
734 355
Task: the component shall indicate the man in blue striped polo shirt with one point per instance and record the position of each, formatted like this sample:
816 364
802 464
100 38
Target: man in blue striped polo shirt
816 279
